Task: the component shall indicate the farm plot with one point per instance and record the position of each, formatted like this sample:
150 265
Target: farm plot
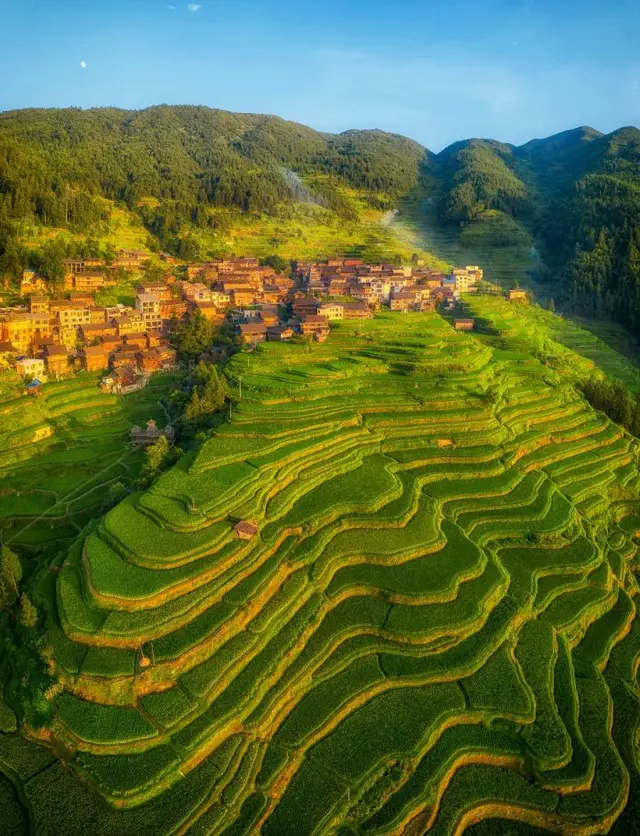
60 453
434 625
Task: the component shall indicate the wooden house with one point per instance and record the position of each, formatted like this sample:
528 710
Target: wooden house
245 530
253 332
463 324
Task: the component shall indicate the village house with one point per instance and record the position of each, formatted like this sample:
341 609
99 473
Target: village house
357 310
81 265
122 357
331 310
129 323
210 312
94 358
271 293
463 324
68 336
24 330
315 326
268 318
137 341
154 338
306 306
72 316
111 342
280 333
205 270
220 298
403 300
88 280
253 332
57 360
93 330
517 294
39 305
244 297
97 313
130 259
148 305
156 359
31 367
159 289
196 292
466 278
81 298
121 380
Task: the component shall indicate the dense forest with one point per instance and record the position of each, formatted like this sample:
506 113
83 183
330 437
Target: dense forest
578 192
171 164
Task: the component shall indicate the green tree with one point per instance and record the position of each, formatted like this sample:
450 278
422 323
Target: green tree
155 455
279 264
10 577
193 336
28 615
209 393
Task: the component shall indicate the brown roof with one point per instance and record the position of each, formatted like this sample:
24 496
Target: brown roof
317 318
251 328
245 527
94 351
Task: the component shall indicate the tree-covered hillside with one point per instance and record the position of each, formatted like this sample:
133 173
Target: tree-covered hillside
479 175
54 164
578 192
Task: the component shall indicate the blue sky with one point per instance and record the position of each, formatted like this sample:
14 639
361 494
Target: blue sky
435 70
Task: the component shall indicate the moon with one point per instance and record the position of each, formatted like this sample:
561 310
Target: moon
83 64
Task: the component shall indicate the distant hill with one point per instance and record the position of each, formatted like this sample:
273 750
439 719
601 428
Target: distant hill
181 171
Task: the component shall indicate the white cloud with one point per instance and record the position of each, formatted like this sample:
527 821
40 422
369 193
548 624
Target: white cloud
83 64
194 7
173 8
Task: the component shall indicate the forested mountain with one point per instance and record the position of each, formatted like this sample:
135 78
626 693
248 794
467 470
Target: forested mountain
54 162
577 191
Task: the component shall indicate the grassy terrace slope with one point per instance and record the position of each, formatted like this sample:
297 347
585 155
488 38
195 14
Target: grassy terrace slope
435 625
60 452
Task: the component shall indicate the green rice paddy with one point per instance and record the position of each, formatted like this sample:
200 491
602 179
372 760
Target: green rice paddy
60 452
433 631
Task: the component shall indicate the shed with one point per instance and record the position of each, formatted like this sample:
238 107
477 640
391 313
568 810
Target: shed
245 530
463 324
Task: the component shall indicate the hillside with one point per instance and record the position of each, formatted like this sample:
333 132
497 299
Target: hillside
61 453
575 195
197 178
435 624
201 182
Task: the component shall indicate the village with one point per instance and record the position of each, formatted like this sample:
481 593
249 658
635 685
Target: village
54 336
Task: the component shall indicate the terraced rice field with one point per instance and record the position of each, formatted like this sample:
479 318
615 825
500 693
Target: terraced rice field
60 452
434 629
